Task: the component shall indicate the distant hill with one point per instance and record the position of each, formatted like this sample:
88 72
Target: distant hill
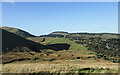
82 35
59 33
94 35
56 34
17 31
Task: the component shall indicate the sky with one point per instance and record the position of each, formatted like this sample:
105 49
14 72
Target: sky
39 18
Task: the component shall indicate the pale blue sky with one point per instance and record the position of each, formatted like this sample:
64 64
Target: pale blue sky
45 17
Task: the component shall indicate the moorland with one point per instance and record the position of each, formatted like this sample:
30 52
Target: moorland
59 52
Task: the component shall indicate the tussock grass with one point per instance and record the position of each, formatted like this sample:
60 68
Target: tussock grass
57 68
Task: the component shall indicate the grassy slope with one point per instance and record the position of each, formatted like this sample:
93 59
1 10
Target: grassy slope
17 31
11 41
79 49
68 65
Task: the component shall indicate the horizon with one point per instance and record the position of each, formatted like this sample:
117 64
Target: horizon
41 18
60 31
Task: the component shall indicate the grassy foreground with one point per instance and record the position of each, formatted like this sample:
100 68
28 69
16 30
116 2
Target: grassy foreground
60 68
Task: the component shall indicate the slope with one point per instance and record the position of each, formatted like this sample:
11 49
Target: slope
11 41
17 31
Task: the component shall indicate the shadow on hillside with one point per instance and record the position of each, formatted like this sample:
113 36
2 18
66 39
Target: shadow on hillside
58 47
11 42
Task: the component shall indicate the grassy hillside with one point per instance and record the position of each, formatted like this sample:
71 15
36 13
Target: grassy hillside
54 54
15 47
12 41
100 43
19 32
73 46
76 60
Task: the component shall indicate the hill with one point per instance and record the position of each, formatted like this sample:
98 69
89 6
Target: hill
59 33
17 31
105 45
82 35
94 35
15 47
11 41
56 34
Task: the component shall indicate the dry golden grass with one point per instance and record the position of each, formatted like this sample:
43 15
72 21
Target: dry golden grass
52 67
65 63
10 56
